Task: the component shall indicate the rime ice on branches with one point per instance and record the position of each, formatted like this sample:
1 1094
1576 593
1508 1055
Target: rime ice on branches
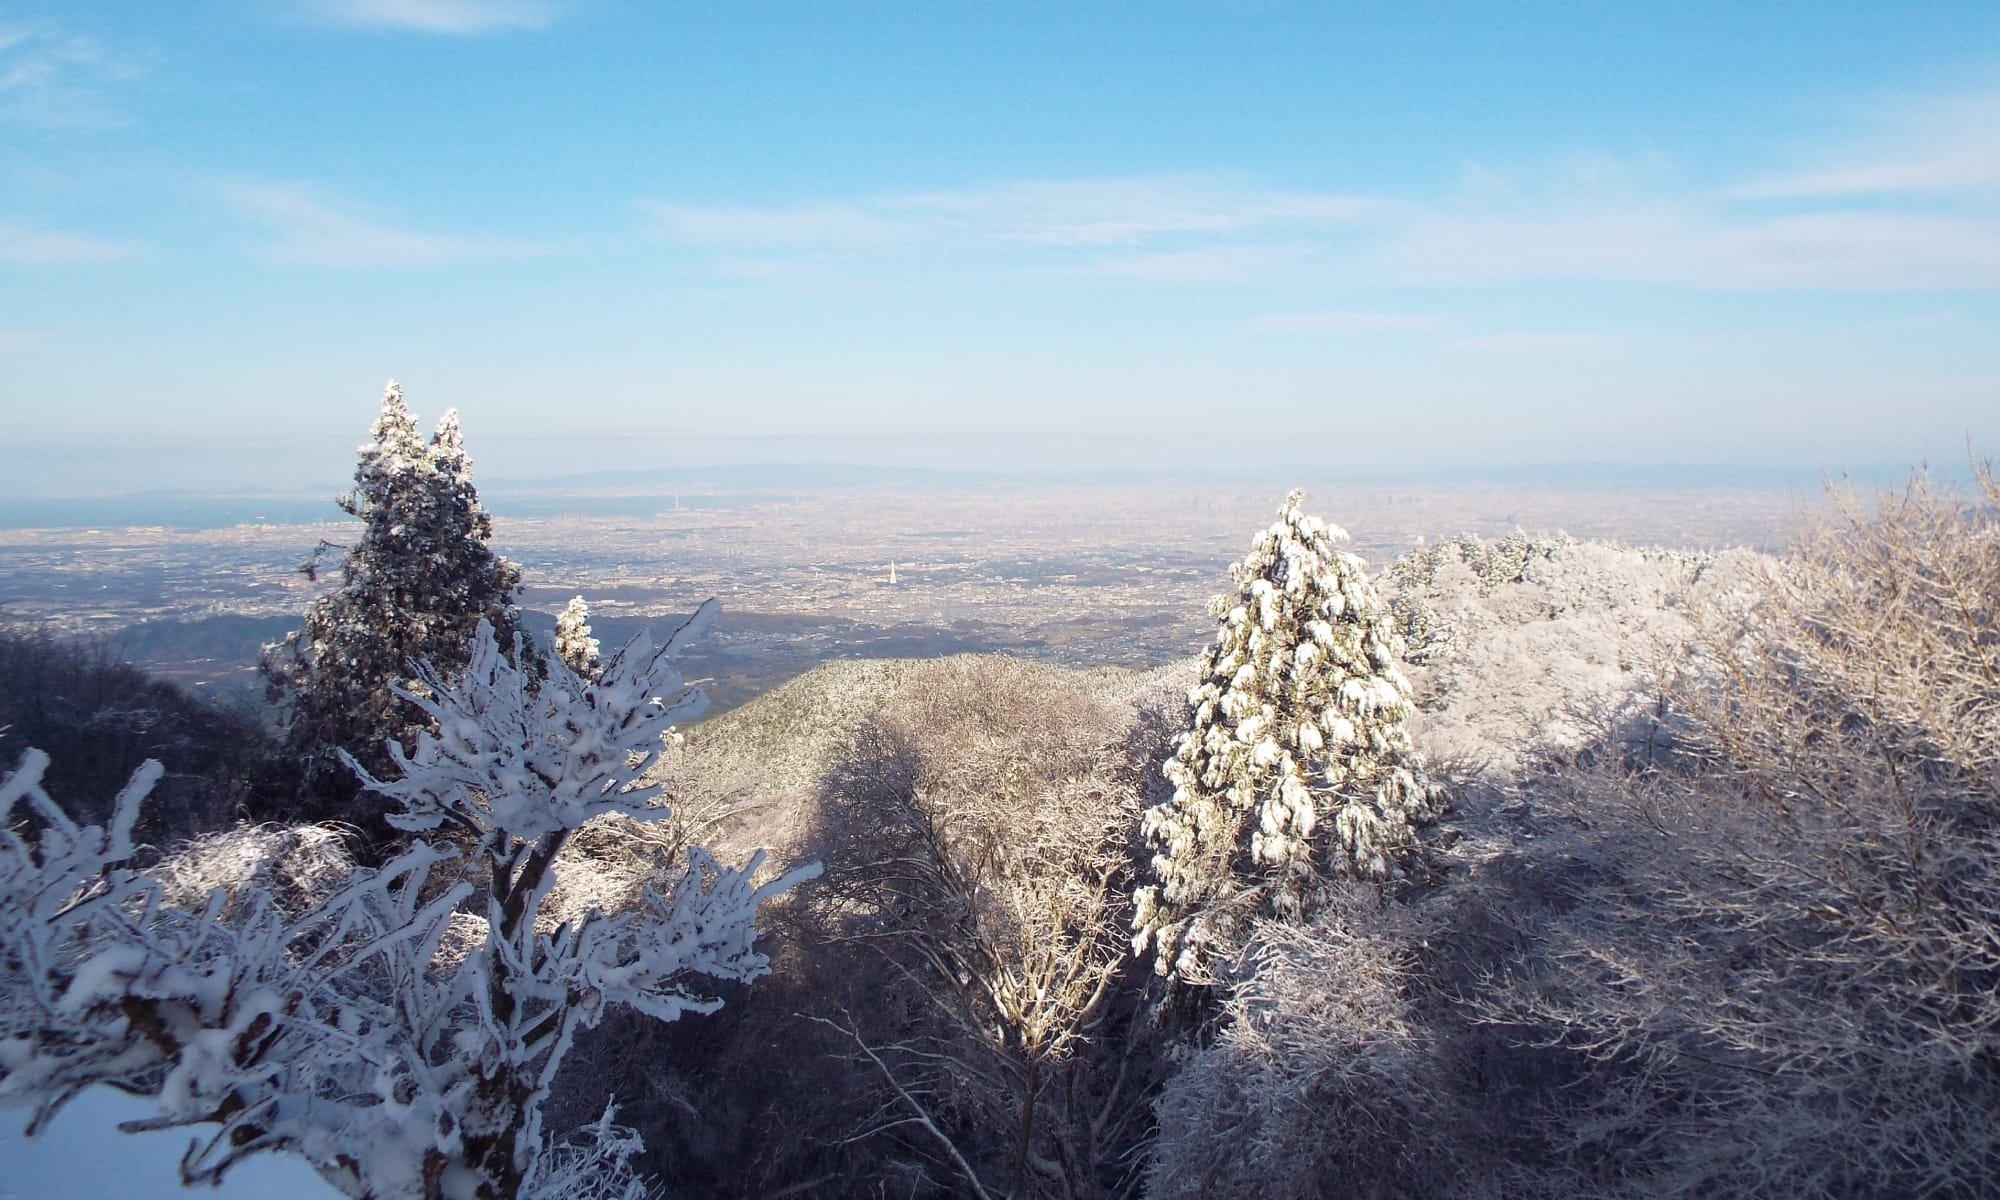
342 1033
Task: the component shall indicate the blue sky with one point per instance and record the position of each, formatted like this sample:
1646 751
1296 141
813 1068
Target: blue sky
1404 235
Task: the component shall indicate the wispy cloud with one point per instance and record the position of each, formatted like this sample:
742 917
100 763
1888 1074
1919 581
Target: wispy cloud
1349 322
1125 212
1174 230
1199 264
1529 341
435 16
1912 202
772 228
1700 243
309 228
1049 213
1936 146
59 81
1111 212
1926 320
1915 208
26 244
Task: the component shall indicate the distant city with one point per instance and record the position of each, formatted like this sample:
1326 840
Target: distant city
827 568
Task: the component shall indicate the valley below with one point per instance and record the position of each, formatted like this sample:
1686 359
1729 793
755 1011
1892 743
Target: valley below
1073 575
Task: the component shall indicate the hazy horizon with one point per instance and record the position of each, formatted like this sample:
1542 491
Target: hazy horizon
47 476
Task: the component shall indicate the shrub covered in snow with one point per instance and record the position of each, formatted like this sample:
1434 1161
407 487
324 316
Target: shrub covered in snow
1430 634
1780 965
1718 918
1528 659
1321 1079
338 1028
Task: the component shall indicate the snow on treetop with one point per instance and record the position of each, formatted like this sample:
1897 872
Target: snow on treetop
1300 686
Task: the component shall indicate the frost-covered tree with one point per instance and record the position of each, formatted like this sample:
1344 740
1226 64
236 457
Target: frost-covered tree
1428 634
978 837
1322 1049
1531 666
414 585
1296 763
573 643
1775 961
401 1029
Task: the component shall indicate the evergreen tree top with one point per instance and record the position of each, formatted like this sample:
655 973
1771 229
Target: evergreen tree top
1295 764
395 429
414 585
448 448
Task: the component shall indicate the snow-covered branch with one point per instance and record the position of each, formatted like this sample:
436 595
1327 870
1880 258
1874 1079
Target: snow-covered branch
341 1033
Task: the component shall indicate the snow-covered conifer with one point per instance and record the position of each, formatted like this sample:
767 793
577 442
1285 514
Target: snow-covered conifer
414 585
1296 763
573 643
401 1028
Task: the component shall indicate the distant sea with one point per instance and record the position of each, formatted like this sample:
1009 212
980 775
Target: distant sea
224 512
173 511
643 492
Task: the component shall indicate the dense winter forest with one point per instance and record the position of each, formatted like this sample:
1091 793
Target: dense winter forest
1528 868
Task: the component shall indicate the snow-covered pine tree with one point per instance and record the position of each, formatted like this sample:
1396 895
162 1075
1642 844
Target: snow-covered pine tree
573 643
1296 763
414 586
